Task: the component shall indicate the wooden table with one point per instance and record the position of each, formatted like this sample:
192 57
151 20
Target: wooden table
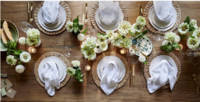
28 88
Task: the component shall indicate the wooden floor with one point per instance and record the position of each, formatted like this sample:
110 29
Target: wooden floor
28 88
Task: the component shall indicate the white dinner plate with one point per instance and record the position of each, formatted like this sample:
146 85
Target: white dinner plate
113 26
61 65
119 63
53 27
158 59
158 25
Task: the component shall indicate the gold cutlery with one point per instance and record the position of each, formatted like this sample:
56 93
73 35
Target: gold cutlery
28 5
31 19
140 10
130 70
133 75
194 78
134 47
130 76
84 13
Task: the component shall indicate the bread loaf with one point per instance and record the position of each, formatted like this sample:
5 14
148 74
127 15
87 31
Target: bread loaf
7 31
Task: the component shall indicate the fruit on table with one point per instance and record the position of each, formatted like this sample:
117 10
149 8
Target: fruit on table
3 36
7 31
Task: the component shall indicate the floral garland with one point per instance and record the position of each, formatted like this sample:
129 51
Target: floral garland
189 27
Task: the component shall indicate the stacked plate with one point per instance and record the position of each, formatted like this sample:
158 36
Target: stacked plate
60 65
57 25
161 25
112 26
118 61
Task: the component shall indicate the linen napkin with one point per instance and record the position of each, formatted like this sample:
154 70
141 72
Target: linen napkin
50 10
109 11
50 75
163 73
110 77
164 10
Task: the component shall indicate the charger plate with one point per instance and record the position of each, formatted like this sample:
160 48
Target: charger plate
68 13
49 54
154 55
99 58
151 28
93 12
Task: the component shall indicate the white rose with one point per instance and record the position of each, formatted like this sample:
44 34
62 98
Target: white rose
22 40
19 68
177 39
81 37
142 58
76 63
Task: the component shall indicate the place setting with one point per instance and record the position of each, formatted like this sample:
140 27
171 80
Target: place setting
162 16
51 16
106 15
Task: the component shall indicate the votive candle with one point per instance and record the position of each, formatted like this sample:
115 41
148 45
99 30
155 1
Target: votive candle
87 67
32 49
122 51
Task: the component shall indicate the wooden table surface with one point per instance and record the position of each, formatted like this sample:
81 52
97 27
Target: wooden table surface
28 88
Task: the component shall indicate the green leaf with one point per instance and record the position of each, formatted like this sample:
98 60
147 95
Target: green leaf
84 32
145 62
145 32
183 36
19 62
145 37
191 28
80 26
187 20
192 37
76 21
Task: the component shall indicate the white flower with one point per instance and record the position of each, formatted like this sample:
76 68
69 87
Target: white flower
102 38
104 46
177 39
32 41
193 22
133 32
126 42
76 63
81 37
193 43
11 60
141 20
196 33
165 42
170 36
25 57
124 28
92 57
110 33
39 43
22 40
137 27
183 28
71 71
33 33
19 68
142 58
69 26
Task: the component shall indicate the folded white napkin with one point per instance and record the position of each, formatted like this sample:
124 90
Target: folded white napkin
164 10
109 11
50 75
110 77
161 74
50 10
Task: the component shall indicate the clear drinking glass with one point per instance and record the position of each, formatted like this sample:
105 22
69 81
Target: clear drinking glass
67 51
24 26
158 37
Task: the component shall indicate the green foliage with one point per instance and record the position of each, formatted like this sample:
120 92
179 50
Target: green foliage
142 35
145 62
77 27
84 32
11 49
170 47
78 75
187 20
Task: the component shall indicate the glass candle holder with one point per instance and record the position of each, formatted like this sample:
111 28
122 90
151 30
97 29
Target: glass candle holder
32 50
122 51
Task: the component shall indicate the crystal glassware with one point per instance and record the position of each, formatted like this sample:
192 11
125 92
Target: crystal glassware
67 51
24 26
158 37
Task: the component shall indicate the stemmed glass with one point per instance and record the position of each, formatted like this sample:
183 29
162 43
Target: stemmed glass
24 26
67 51
192 56
158 37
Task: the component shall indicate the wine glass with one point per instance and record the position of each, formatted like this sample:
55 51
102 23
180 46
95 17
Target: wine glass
67 51
158 37
24 26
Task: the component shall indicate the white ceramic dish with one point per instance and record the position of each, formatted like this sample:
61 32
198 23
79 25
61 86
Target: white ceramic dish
158 25
105 27
119 63
53 27
61 65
